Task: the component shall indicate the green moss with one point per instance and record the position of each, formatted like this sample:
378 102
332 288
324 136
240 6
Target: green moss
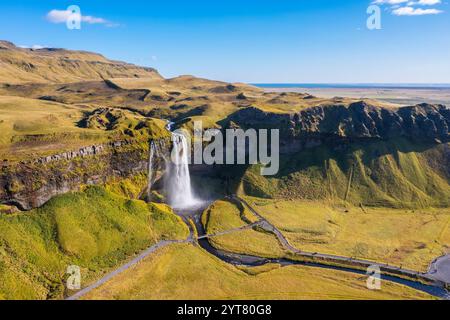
94 229
128 187
395 173
224 216
166 224
15 186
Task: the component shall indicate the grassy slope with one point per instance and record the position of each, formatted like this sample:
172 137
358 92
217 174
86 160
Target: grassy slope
19 65
386 173
36 123
130 188
195 99
187 272
188 98
223 216
412 238
32 128
94 229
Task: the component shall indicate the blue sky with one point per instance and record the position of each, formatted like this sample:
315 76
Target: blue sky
304 41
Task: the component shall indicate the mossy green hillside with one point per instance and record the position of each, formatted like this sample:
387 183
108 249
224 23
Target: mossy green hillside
224 216
122 167
400 237
184 271
395 173
94 229
130 187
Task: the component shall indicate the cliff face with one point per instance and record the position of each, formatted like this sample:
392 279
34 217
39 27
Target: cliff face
361 120
357 152
29 185
356 121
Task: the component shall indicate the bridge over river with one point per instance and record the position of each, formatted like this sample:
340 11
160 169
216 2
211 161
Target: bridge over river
435 282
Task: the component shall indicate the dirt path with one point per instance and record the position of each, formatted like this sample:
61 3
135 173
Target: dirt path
438 276
218 234
161 244
126 266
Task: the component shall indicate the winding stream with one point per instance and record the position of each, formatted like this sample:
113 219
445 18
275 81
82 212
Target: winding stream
240 259
182 199
254 261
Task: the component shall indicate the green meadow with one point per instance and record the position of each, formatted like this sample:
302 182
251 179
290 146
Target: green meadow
95 229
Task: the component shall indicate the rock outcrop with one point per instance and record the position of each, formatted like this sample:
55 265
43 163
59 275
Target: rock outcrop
30 184
361 120
356 121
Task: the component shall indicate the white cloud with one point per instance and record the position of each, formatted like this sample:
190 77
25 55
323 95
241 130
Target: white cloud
409 7
93 20
58 16
61 16
410 11
34 47
429 2
409 2
392 2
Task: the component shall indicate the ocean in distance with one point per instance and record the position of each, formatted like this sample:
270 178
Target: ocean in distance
355 85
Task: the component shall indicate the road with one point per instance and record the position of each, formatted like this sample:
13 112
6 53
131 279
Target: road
126 266
248 226
268 226
438 275
161 244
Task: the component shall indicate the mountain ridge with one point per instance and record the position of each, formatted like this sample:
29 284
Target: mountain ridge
55 65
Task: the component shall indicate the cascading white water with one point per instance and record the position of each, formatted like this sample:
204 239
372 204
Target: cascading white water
150 168
177 180
155 159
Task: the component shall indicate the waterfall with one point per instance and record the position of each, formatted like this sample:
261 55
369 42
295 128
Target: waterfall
156 158
178 181
151 167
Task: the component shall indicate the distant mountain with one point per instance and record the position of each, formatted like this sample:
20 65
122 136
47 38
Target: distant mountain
21 65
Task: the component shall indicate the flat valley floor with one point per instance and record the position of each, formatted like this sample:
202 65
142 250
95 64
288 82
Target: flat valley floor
396 96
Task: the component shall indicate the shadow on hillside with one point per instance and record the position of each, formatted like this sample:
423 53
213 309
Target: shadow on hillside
227 179
344 153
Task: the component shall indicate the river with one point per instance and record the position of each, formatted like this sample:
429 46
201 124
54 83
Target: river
254 261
